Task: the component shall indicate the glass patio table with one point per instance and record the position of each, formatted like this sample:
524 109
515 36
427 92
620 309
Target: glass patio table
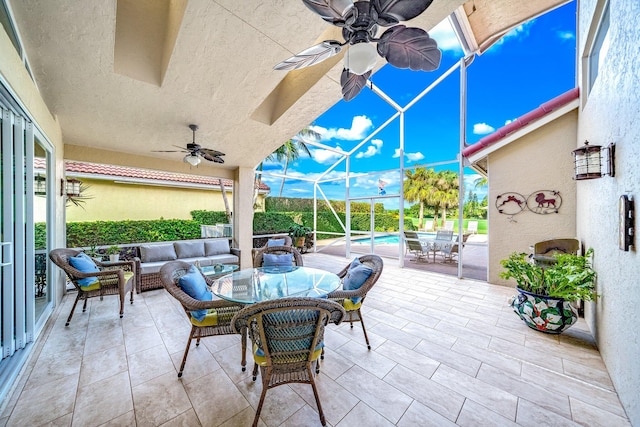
267 283
212 271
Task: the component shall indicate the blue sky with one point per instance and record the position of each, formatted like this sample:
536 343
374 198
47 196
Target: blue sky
532 64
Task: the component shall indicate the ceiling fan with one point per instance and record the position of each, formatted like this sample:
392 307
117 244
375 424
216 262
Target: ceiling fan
401 46
195 151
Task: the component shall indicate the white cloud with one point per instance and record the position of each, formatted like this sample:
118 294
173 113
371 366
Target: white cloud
482 129
360 126
412 157
325 157
518 32
566 35
446 37
374 148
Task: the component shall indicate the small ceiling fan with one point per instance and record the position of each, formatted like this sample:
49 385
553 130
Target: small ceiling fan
401 46
195 151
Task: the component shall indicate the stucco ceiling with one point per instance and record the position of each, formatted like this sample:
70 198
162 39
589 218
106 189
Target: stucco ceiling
129 76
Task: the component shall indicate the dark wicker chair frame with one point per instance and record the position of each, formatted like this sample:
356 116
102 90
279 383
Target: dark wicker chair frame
277 250
170 273
110 276
288 331
376 264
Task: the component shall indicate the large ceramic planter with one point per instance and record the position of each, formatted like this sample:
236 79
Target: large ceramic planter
544 313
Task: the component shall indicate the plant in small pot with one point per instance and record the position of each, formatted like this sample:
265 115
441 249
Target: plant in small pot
93 253
114 253
298 233
546 290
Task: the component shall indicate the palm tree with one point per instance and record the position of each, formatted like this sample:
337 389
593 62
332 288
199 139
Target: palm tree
447 185
419 188
290 151
480 181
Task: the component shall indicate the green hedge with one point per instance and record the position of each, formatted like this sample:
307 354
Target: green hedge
286 204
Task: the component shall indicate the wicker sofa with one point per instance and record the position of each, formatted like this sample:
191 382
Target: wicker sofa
152 256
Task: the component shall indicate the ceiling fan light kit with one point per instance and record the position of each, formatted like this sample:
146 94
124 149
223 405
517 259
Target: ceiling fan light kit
195 153
401 46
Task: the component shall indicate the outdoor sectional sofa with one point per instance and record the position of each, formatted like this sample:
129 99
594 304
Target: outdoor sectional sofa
152 256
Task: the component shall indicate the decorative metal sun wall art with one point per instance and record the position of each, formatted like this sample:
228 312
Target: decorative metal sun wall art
541 202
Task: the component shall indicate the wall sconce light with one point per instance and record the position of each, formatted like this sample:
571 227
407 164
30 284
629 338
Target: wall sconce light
70 187
589 159
40 185
626 218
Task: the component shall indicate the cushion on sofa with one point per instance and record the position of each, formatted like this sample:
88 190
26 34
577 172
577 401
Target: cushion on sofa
190 249
216 247
151 253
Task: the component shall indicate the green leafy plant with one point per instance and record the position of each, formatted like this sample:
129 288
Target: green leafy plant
299 230
570 277
112 250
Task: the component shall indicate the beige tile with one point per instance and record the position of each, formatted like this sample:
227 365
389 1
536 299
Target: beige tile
478 339
200 363
141 338
498 400
589 415
104 400
279 403
441 400
63 421
499 360
230 360
441 338
369 360
305 416
409 358
186 419
103 364
126 419
475 415
419 415
159 400
596 376
50 367
596 396
215 398
539 358
363 415
451 358
533 415
333 365
336 401
105 335
395 334
384 398
526 387
151 363
31 409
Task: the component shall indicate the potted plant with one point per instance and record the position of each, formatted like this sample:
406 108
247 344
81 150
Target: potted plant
114 253
93 253
547 289
298 233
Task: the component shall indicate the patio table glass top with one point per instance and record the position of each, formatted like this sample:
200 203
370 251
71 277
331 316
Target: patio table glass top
267 283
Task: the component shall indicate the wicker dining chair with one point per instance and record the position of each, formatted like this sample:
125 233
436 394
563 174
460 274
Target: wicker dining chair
288 337
258 260
219 312
112 278
352 300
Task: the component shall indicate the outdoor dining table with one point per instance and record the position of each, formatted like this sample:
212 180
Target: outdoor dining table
267 283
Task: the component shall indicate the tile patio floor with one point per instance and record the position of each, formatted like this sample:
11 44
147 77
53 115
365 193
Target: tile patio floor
445 352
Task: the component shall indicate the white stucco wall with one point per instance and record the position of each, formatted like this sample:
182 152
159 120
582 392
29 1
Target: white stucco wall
611 113
540 160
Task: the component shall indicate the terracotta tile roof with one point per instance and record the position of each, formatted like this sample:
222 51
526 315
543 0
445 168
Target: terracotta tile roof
113 171
544 109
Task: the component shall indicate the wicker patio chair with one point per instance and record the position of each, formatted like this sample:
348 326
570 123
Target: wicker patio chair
449 250
218 318
258 260
287 336
347 298
113 278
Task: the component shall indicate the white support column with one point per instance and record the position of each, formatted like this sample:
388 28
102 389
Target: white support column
243 182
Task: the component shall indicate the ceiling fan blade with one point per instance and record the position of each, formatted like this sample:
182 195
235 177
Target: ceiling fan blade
210 152
392 11
169 151
311 56
409 47
211 158
331 11
352 84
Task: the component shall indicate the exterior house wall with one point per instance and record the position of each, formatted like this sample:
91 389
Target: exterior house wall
610 113
112 201
539 160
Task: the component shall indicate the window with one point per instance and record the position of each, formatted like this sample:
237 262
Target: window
599 49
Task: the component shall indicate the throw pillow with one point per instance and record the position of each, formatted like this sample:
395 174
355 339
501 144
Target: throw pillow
155 252
275 242
275 260
82 262
195 286
216 247
357 274
190 249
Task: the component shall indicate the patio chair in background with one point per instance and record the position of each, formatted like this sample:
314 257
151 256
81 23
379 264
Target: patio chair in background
472 227
207 317
277 255
353 299
448 225
273 241
449 251
288 338
419 249
443 238
93 278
